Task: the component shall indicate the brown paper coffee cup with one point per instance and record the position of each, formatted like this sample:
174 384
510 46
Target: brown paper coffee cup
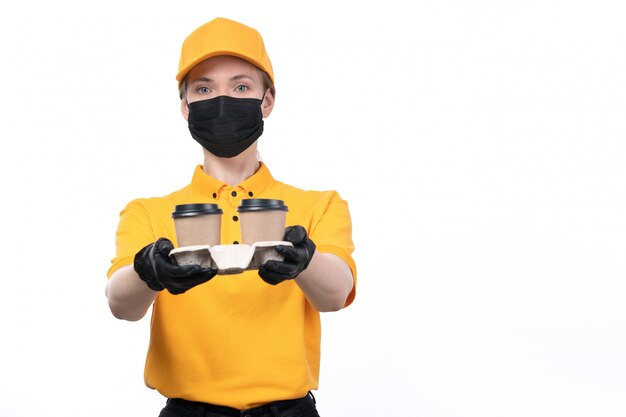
197 224
262 220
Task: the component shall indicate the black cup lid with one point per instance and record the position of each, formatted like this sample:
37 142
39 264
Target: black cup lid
261 204
188 210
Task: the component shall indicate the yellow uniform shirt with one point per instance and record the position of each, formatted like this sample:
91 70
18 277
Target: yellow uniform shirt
235 340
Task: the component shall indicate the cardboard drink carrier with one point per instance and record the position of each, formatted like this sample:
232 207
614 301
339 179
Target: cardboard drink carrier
198 229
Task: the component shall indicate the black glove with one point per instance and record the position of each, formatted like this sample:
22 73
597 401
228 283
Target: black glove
297 258
155 267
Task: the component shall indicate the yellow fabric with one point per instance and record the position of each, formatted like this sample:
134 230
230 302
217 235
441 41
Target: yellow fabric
235 340
223 37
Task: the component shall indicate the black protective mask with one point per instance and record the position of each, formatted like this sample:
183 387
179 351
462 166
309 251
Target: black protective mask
226 126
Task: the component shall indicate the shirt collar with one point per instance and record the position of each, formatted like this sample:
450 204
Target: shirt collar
252 186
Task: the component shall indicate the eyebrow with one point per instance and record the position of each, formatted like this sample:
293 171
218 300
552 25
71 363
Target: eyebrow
235 78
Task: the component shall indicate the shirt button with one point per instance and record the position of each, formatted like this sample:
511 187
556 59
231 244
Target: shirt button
250 194
234 193
235 243
214 195
235 218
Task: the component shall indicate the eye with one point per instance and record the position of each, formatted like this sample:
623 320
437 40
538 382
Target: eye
241 88
203 90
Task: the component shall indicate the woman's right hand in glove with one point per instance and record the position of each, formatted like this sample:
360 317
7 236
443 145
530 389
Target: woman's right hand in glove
158 271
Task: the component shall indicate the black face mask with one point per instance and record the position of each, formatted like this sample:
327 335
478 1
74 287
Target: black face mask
226 126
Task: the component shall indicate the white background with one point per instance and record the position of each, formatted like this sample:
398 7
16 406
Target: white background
481 148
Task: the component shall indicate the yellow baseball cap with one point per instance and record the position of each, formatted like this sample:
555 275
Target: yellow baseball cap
223 37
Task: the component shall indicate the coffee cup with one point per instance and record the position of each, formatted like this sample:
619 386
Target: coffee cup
262 220
197 224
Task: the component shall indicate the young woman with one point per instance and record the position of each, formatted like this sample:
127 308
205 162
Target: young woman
224 344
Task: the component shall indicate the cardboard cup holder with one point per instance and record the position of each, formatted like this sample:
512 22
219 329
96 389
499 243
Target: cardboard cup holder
229 259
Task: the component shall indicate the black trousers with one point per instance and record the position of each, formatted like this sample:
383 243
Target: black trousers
301 407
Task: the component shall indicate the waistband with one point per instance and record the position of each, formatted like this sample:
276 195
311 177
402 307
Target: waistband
265 409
